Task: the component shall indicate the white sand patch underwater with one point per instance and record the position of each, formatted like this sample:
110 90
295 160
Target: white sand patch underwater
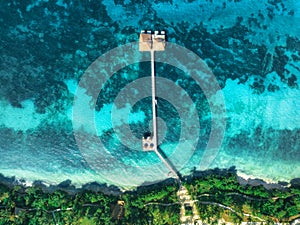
20 119
258 167
246 110
89 119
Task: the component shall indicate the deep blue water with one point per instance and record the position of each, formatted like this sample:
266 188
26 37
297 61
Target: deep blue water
52 118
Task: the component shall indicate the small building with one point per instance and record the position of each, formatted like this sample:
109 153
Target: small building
148 142
118 211
152 42
145 43
159 41
18 211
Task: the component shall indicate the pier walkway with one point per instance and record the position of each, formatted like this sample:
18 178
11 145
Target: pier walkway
151 43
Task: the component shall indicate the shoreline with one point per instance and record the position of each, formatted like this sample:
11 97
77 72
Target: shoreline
245 179
66 186
110 189
225 187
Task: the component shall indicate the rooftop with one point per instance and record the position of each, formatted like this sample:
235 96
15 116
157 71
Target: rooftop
149 41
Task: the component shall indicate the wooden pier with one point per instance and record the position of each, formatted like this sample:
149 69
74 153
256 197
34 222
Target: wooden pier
154 42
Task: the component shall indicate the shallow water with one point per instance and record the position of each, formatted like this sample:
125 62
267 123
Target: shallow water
251 47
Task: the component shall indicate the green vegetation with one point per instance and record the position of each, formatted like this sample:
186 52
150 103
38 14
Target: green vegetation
31 205
216 196
152 204
261 203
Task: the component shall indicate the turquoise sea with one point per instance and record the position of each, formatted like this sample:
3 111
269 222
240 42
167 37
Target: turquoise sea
62 116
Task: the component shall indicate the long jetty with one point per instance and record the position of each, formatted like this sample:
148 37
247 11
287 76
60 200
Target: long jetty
154 42
154 118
